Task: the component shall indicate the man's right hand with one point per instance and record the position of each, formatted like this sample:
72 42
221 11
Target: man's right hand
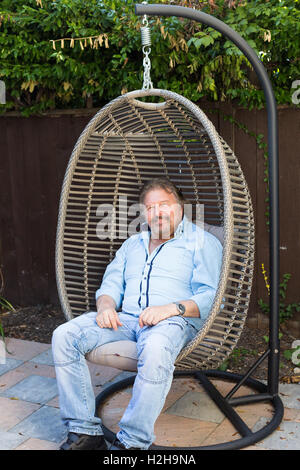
108 318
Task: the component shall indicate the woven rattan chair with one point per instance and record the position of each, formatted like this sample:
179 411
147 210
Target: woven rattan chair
132 140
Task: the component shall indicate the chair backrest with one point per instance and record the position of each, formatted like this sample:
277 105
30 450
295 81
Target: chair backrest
126 143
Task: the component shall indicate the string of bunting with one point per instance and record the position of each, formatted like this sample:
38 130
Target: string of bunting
92 41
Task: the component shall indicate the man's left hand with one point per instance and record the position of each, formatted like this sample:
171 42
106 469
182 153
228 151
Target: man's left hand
150 316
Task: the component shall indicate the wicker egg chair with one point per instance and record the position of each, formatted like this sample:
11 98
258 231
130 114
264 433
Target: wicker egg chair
127 142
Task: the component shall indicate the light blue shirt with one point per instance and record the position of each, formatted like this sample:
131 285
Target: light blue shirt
186 267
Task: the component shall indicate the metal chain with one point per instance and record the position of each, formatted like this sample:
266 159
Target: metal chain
146 43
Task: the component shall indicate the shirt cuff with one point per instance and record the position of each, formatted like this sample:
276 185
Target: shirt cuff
204 302
116 296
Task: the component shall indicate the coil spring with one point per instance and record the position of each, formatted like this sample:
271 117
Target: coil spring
146 36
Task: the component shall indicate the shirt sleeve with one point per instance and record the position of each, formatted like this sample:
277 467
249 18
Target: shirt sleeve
113 281
206 274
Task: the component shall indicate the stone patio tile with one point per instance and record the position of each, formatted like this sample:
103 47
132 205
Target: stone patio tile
26 369
45 358
121 376
174 431
38 444
290 395
113 409
256 409
54 402
9 364
31 368
23 349
179 387
44 424
286 436
196 405
102 374
254 447
35 389
224 432
14 411
224 387
291 415
10 440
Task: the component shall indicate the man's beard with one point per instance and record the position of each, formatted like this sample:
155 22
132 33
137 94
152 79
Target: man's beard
161 231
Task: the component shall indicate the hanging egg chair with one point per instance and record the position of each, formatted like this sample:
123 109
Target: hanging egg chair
132 140
127 143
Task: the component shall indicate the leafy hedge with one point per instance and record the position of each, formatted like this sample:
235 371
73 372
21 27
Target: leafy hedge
42 72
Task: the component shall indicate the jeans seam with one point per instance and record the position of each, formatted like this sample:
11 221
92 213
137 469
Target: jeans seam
79 430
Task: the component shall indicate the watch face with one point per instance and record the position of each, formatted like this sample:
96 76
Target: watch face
181 308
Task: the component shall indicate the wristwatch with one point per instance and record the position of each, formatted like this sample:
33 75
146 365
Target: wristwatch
180 308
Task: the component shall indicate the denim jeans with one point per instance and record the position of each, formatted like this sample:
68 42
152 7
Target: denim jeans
157 349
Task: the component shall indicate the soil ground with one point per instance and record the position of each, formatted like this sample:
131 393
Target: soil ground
37 323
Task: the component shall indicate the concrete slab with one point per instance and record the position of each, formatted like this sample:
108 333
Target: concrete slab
290 395
196 405
10 440
44 424
10 364
14 411
35 389
286 437
44 358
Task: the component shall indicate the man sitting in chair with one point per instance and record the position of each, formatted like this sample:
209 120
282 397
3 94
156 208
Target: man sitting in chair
165 282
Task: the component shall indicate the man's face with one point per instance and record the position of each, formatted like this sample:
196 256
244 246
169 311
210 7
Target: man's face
163 213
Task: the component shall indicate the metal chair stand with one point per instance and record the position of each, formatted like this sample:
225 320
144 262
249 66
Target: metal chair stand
225 404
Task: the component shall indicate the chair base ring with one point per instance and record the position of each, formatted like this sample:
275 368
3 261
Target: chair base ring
245 441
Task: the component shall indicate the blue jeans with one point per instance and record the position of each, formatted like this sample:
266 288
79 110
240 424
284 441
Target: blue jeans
157 348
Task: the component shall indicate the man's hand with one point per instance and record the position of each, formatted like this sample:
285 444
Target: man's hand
108 318
152 315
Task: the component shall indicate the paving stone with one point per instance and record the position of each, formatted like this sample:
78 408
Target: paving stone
175 431
38 444
121 376
196 405
44 424
14 411
290 395
9 364
10 440
35 389
45 358
24 349
286 436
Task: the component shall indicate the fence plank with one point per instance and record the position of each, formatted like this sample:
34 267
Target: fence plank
34 156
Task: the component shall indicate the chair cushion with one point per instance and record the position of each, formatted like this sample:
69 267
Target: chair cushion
118 354
215 230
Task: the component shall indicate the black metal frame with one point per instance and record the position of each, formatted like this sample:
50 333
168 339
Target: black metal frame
267 392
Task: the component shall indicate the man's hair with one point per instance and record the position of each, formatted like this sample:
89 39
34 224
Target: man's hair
162 183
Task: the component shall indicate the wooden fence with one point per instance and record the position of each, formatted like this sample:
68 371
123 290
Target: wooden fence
34 155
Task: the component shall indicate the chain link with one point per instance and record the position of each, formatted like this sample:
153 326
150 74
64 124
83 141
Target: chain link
146 43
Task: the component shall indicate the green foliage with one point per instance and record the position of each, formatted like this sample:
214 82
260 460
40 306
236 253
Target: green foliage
4 304
286 311
186 57
236 357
